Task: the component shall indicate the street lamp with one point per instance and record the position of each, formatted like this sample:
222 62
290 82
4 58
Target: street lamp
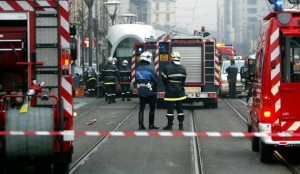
129 18
90 4
111 8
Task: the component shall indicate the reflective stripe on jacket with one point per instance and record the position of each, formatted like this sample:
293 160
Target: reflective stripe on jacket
110 74
125 75
173 77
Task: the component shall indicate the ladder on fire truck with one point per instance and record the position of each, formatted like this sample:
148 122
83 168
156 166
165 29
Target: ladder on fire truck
47 47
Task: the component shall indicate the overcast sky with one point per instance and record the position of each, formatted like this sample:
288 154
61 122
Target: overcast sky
192 14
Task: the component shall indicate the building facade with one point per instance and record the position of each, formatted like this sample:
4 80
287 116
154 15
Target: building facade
163 14
239 23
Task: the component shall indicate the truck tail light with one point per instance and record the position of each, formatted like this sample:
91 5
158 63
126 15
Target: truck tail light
161 95
212 95
266 97
65 62
266 114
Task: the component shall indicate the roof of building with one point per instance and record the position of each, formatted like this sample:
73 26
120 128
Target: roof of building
118 33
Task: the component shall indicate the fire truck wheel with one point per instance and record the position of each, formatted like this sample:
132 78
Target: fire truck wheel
61 168
266 152
3 166
255 144
36 119
43 166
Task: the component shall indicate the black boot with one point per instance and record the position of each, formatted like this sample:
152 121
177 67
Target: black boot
151 121
113 99
141 121
180 120
109 98
123 99
106 97
170 123
127 96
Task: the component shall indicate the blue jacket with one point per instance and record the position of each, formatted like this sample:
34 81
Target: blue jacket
146 79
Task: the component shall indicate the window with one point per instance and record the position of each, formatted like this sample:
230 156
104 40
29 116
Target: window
168 6
252 19
168 17
157 6
294 59
252 10
252 2
157 17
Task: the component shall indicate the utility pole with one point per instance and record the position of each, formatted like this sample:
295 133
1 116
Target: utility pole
96 25
82 39
90 4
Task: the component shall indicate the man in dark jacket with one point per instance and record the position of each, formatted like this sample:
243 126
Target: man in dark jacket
125 79
110 76
147 82
173 77
232 72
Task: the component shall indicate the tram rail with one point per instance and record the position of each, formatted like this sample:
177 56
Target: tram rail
279 155
84 156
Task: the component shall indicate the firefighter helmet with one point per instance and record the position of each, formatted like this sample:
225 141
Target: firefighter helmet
125 63
109 59
175 55
146 56
115 60
251 57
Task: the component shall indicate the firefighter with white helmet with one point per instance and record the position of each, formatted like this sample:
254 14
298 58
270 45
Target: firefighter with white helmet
147 81
110 76
125 79
249 84
173 77
91 81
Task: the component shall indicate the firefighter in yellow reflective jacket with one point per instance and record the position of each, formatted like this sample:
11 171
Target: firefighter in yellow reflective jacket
110 76
173 77
90 81
125 80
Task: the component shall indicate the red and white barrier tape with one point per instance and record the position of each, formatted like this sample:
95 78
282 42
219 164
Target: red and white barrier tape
150 134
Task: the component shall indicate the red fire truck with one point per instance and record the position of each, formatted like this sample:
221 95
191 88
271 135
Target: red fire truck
36 84
276 85
225 51
199 57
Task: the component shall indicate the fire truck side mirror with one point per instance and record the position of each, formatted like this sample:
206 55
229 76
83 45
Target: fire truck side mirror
244 73
73 31
73 46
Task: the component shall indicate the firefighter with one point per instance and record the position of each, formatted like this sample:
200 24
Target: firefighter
90 81
251 69
101 89
173 77
232 72
147 82
125 79
110 76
